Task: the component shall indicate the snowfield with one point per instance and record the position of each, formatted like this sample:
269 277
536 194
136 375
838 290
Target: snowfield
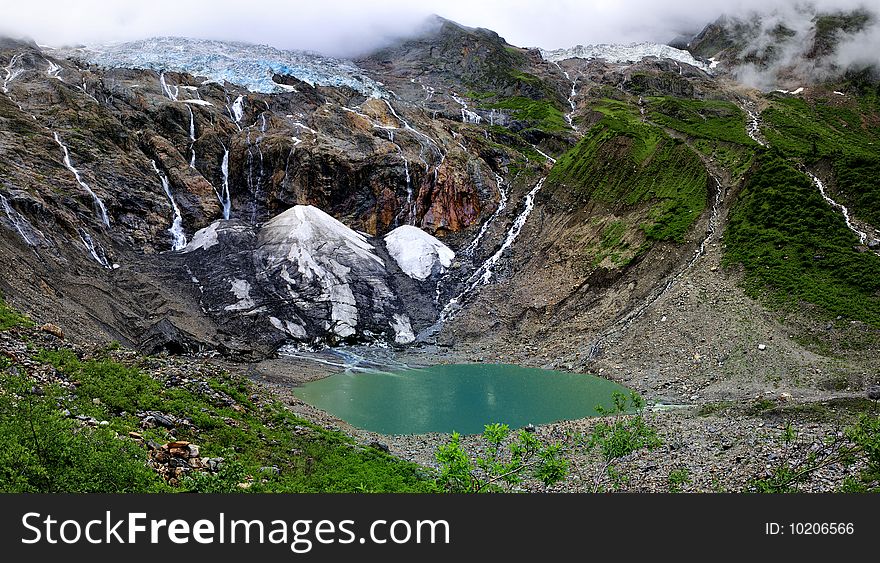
631 53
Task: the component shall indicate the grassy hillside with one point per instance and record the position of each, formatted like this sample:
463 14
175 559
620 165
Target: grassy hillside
622 162
823 127
44 447
796 248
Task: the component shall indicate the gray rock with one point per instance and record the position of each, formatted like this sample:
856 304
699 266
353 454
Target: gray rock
163 420
873 392
380 446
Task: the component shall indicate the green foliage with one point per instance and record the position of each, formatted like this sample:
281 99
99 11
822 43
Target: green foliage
677 479
541 113
308 458
624 162
865 435
119 387
856 181
815 130
10 318
624 433
226 480
705 119
859 445
40 451
796 248
505 463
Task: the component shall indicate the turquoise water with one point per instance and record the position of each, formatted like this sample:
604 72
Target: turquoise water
462 398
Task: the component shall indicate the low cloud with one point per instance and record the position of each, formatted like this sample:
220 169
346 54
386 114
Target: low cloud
347 28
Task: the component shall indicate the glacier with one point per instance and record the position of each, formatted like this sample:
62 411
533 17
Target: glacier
632 53
244 64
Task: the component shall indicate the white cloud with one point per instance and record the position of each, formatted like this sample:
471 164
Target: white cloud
344 27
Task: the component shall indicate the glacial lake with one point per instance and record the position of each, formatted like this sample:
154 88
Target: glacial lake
462 398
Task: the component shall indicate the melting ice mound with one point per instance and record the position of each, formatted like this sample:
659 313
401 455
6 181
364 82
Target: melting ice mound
303 276
417 253
251 66
307 252
631 53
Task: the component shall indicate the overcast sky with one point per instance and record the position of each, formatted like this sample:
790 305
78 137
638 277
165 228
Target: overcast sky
344 27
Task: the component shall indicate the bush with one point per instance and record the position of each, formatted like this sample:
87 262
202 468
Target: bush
625 433
504 465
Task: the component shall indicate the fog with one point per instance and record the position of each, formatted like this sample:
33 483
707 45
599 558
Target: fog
345 28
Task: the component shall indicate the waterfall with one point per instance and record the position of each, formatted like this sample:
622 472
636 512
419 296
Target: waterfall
484 273
433 144
467 116
54 70
863 237
753 127
99 205
167 90
569 117
192 137
94 249
225 199
178 237
237 110
16 219
545 155
502 204
11 72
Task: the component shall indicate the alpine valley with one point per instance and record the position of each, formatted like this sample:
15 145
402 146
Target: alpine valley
191 229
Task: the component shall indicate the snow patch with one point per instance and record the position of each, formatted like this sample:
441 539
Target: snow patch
320 247
204 238
197 102
417 253
403 332
631 53
242 291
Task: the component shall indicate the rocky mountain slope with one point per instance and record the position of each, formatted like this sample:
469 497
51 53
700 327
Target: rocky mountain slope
630 209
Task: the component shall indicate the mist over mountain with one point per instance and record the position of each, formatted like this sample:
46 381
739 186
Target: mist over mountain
789 46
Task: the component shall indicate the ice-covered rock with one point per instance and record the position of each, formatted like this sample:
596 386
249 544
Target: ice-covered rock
417 253
303 275
204 238
312 253
631 53
251 66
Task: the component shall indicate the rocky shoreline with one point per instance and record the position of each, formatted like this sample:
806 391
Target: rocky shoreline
718 446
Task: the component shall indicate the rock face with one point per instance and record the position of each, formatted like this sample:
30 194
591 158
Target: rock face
323 201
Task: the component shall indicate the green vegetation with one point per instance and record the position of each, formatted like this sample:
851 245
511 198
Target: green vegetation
10 318
624 162
704 119
541 114
44 451
856 181
625 433
504 464
677 479
822 129
796 248
40 451
860 443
